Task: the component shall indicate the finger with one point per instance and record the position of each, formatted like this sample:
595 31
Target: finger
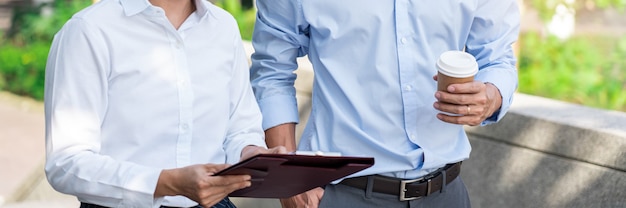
214 168
457 98
296 201
452 108
315 200
251 150
468 88
461 120
230 179
235 185
319 192
278 150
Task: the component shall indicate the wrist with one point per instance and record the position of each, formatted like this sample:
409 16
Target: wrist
281 135
165 185
494 96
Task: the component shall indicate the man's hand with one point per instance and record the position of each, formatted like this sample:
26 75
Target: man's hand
197 183
252 150
309 199
472 102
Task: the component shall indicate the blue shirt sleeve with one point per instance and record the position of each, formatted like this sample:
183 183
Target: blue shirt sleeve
282 34
494 29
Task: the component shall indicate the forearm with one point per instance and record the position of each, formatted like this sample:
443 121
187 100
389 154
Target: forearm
282 135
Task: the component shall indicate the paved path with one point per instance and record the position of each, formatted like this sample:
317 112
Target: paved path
22 153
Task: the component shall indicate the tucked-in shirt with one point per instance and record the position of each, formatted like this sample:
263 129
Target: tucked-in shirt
128 95
374 62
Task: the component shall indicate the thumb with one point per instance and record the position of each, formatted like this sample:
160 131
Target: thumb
279 150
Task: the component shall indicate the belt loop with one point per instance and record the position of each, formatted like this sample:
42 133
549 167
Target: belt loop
369 187
443 182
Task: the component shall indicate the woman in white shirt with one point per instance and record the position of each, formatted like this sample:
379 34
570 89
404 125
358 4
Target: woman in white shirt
145 100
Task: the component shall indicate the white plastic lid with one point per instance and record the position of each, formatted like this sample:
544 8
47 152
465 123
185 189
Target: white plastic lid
457 64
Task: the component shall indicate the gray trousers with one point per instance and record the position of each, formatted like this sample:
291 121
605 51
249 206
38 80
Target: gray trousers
341 196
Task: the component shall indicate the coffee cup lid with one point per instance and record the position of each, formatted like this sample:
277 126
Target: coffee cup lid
457 64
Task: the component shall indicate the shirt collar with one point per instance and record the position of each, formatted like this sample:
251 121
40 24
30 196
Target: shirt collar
133 7
202 7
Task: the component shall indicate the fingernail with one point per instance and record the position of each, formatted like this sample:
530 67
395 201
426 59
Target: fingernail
436 105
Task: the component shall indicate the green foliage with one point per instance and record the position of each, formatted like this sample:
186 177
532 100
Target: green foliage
245 17
592 73
546 8
22 69
29 24
24 53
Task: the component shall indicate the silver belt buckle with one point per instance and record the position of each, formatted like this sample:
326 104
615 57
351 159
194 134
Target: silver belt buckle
403 189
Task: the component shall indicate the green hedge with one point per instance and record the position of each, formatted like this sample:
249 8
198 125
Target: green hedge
22 69
585 70
24 48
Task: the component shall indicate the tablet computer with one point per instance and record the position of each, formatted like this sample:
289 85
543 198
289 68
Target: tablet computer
286 175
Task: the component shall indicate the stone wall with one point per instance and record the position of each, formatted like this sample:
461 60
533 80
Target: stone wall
547 153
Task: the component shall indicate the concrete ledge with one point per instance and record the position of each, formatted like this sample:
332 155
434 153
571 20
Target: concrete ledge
502 175
562 129
548 153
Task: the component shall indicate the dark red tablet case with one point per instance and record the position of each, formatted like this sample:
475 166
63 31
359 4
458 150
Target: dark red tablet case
286 175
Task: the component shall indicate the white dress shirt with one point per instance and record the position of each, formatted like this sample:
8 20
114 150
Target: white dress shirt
128 95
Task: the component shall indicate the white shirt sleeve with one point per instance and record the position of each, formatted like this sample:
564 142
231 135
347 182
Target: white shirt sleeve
75 105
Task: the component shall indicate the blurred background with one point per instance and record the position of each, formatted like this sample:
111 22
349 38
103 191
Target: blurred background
570 50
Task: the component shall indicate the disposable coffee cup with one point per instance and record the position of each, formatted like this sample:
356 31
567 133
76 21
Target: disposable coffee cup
455 67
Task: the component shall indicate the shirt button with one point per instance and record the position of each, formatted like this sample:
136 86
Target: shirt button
184 127
408 88
412 136
403 40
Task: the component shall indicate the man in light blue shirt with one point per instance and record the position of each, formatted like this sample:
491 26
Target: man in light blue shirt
374 93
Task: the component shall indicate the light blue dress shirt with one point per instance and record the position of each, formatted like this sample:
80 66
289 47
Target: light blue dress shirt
374 63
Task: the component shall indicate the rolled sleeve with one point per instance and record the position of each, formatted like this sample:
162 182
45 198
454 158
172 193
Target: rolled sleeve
492 34
281 108
280 36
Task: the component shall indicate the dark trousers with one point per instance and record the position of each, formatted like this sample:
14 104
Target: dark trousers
339 195
225 203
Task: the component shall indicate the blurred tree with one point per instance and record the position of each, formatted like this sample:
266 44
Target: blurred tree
547 8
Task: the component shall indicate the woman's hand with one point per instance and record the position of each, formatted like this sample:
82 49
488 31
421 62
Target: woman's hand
252 150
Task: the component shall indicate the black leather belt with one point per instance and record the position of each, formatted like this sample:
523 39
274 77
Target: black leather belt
408 189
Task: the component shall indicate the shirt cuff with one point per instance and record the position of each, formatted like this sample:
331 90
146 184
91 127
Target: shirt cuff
506 83
278 109
141 185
